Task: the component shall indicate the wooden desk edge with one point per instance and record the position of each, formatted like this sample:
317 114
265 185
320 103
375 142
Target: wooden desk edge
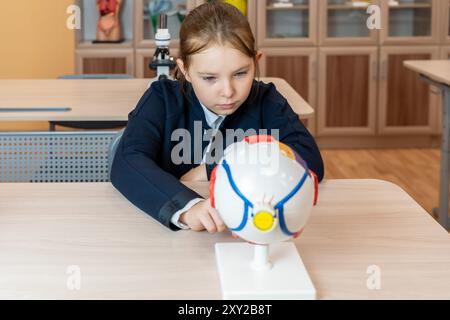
303 109
411 64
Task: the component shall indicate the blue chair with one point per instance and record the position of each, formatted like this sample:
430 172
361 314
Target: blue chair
91 125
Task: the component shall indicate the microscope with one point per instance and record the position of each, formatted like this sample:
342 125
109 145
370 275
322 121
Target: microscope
162 62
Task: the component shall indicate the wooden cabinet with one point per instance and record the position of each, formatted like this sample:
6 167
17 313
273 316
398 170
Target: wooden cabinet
344 23
350 74
445 21
93 57
406 104
445 52
281 25
410 22
143 58
108 61
347 91
298 67
139 21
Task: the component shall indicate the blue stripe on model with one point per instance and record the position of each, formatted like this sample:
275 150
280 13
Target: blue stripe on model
280 208
247 203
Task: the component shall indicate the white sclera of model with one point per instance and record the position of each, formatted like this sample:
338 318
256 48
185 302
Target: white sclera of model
264 192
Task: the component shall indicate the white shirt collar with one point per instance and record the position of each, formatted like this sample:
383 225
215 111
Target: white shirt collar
212 118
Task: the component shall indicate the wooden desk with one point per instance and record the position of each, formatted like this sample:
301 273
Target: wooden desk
437 73
96 100
123 253
437 70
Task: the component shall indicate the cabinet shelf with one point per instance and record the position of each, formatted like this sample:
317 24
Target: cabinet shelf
90 45
345 7
296 7
400 6
411 6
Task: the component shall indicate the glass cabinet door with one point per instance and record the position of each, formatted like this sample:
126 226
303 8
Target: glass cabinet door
410 21
87 35
176 10
147 15
286 23
345 21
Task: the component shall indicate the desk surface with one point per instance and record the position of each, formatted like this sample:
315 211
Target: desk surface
437 70
110 99
123 253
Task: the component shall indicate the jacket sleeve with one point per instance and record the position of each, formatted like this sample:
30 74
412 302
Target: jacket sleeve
135 172
279 115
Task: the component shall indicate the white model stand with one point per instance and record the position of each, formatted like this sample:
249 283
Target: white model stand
285 277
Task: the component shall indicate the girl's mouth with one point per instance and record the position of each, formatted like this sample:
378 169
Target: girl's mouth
226 106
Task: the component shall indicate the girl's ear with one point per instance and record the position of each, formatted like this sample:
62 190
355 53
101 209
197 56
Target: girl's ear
180 65
258 56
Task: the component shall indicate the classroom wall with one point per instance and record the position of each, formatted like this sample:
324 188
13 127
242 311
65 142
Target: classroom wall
34 39
34 43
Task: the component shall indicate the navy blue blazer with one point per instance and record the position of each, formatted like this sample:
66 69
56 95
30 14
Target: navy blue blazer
143 170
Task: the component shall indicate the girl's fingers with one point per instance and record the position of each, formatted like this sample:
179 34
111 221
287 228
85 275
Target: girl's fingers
208 223
217 219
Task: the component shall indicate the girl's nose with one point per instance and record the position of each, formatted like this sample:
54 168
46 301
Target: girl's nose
228 89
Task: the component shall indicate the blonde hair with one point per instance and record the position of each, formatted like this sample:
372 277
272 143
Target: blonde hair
213 23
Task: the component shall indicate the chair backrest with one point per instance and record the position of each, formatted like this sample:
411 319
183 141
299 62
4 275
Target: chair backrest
55 156
113 148
96 76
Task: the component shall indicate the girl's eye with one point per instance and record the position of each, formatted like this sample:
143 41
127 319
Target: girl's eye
241 74
210 79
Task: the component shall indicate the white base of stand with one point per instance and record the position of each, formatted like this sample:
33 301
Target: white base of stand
287 279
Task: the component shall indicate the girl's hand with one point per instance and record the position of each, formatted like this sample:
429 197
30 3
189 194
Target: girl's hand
196 174
202 216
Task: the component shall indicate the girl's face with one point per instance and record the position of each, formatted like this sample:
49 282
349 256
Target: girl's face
221 77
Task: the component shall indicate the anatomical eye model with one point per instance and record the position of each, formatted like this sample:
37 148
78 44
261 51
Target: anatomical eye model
265 193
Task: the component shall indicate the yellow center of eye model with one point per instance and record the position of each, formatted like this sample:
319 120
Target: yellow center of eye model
263 220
